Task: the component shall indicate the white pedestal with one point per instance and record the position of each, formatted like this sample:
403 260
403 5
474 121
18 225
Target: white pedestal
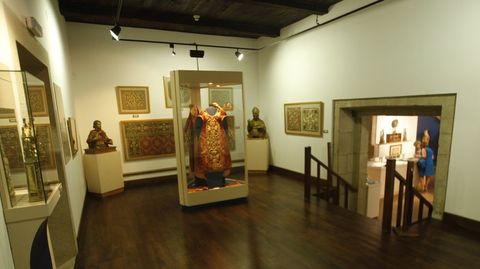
257 155
103 172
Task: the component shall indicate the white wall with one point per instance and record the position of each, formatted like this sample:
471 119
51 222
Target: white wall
394 48
54 42
99 64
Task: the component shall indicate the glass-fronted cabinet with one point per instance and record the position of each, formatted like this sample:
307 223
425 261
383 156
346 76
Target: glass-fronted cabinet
27 165
209 124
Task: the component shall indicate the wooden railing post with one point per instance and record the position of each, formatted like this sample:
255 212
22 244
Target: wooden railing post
407 216
388 196
329 174
307 175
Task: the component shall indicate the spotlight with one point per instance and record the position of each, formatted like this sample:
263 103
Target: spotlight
239 55
115 32
172 46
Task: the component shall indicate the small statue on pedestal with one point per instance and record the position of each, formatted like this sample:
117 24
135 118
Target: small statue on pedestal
32 166
256 127
98 141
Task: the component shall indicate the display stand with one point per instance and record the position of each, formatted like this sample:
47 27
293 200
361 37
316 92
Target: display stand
257 152
103 172
209 127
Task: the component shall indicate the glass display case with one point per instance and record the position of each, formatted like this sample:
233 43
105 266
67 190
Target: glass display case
27 163
209 127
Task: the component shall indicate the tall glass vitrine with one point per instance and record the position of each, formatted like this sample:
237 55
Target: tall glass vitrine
209 124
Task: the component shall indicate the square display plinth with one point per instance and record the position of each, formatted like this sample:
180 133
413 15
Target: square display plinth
103 172
257 155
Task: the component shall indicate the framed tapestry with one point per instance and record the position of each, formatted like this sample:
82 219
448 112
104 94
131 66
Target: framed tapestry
304 118
231 132
63 123
38 100
13 149
168 92
222 96
145 139
72 134
133 100
7 113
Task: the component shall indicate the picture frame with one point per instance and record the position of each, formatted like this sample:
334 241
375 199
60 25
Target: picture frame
133 100
37 98
185 94
304 118
395 151
7 113
168 92
147 139
72 133
63 123
223 96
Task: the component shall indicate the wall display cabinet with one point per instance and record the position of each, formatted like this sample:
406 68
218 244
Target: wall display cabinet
209 136
29 185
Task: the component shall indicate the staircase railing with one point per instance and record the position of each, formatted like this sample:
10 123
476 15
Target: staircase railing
405 201
328 188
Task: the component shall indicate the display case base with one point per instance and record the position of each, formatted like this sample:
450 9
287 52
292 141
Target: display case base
103 173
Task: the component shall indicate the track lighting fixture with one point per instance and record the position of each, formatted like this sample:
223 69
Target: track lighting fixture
115 32
239 55
172 46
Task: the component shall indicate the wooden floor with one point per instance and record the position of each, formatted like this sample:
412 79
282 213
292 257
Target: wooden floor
146 228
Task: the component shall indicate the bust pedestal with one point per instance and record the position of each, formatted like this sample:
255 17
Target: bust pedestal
257 155
103 172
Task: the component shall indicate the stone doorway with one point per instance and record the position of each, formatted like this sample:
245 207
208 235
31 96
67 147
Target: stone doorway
351 137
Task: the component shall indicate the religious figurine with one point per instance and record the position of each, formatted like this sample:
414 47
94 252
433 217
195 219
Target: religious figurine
32 166
405 134
97 140
382 137
256 127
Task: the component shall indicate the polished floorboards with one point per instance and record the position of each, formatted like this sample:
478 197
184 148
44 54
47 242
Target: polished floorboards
145 227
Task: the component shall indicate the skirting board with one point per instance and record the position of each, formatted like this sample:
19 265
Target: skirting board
286 172
465 223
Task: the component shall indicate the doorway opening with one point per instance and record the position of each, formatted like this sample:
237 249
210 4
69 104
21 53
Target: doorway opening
355 142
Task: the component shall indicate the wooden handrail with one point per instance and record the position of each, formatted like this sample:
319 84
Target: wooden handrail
406 196
329 188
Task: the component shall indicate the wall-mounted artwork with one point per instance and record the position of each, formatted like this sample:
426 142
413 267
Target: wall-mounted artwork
7 113
304 118
13 149
231 132
72 134
145 139
395 150
222 96
63 123
133 100
185 94
38 100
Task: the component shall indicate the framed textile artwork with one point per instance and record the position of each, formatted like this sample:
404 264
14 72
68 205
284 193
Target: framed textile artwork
133 100
13 149
38 100
7 113
394 137
168 92
145 139
222 96
185 94
395 150
63 123
304 118
231 132
72 134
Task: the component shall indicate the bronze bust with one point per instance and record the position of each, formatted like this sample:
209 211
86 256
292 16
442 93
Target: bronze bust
256 127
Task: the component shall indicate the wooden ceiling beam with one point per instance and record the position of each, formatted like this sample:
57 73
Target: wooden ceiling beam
319 8
165 20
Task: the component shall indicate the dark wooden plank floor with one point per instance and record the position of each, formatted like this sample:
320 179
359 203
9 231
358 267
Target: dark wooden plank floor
146 228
